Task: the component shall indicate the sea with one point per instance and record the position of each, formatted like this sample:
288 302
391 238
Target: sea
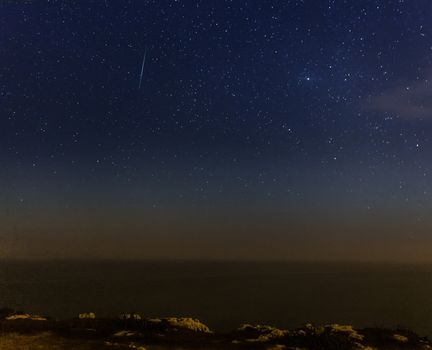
226 294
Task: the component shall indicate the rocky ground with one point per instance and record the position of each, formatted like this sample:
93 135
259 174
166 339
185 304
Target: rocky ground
23 331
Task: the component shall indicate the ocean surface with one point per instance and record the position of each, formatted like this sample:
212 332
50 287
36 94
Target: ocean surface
224 295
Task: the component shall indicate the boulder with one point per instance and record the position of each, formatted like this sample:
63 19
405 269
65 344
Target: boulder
25 317
132 316
178 323
346 330
400 338
261 333
18 317
124 334
191 324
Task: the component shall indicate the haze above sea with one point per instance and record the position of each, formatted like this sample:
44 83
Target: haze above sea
224 295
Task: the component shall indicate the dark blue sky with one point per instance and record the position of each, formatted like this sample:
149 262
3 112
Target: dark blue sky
253 116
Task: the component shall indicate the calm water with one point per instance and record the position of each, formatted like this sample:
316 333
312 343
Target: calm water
224 295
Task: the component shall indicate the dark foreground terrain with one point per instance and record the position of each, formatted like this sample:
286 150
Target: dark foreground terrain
23 331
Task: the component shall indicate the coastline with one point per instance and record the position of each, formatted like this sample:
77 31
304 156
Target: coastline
19 330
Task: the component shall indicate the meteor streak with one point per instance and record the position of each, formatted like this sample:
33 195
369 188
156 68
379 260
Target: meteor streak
142 68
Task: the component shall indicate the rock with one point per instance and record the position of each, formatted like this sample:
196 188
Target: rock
89 315
330 336
132 316
332 329
260 333
18 317
400 338
278 347
346 330
38 318
134 346
124 334
179 323
154 320
188 323
25 317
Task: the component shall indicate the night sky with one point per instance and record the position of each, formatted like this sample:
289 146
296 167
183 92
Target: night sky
261 129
